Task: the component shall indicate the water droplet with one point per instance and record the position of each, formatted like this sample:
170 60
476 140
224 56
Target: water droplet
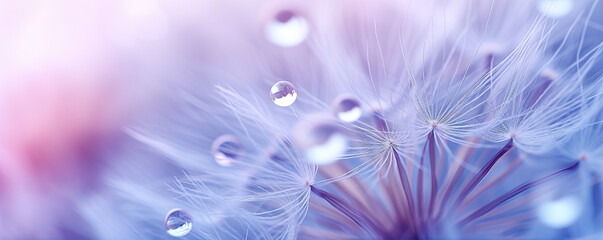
322 141
178 222
225 149
330 151
287 29
560 213
283 93
347 108
555 8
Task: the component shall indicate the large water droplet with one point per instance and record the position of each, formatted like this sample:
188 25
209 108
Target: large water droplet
322 141
225 149
178 222
329 151
347 108
287 29
560 213
555 8
283 93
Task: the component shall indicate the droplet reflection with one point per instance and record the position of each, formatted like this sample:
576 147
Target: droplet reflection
287 29
178 223
283 93
322 141
347 108
225 149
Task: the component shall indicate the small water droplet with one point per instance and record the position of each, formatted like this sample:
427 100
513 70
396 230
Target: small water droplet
560 213
555 8
178 222
283 93
347 108
287 29
323 141
225 149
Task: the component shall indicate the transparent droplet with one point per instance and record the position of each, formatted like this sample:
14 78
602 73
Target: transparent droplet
322 141
178 222
555 8
347 108
287 29
225 149
330 151
560 213
283 93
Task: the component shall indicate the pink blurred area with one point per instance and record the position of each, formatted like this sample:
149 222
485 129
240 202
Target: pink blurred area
57 86
69 70
74 73
65 92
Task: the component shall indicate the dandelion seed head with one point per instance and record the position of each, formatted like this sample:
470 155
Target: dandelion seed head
421 163
411 122
586 145
540 111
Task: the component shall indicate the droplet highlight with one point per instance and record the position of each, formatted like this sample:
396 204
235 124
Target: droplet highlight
346 108
555 8
178 223
323 142
560 213
287 29
226 149
283 93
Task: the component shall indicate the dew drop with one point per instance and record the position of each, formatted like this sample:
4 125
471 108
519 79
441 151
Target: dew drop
555 8
323 142
560 213
286 29
225 149
329 151
347 108
178 222
283 93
